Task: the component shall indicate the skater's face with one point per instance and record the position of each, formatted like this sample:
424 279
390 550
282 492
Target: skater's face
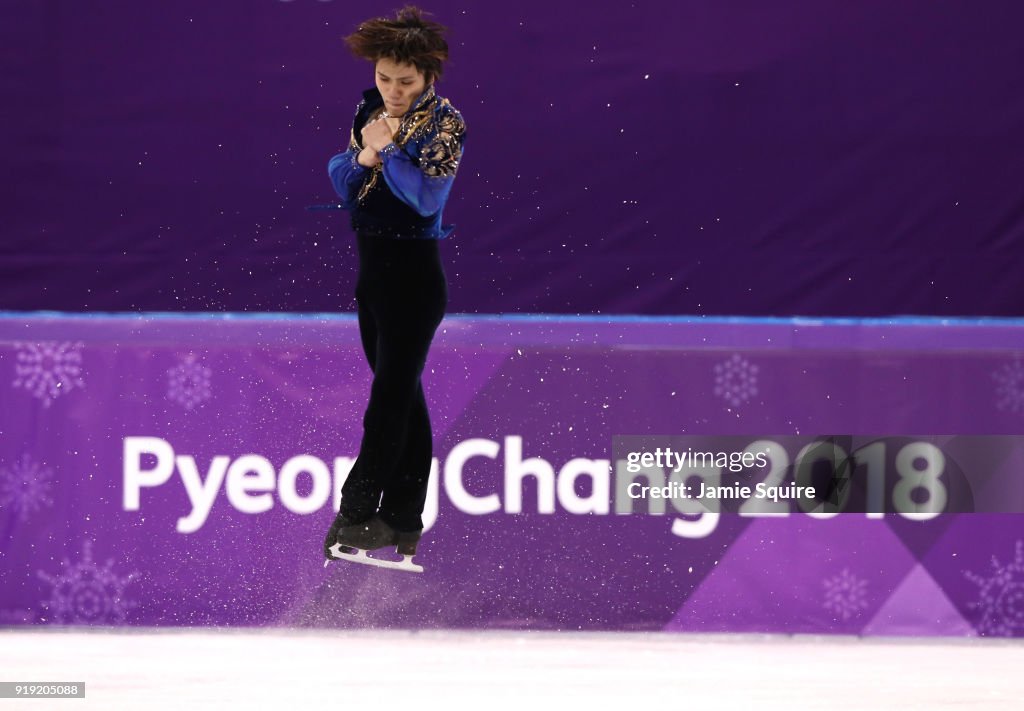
399 84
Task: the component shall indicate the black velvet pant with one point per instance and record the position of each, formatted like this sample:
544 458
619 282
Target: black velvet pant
401 295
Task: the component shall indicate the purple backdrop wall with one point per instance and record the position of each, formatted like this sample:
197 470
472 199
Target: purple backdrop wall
654 157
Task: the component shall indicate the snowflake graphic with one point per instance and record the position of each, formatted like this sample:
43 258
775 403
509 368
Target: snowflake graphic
1010 386
845 594
1001 596
188 382
48 369
736 380
25 486
85 593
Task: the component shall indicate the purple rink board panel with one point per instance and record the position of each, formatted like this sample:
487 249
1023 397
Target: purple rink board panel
182 470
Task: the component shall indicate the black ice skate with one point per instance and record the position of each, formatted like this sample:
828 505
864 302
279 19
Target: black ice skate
353 541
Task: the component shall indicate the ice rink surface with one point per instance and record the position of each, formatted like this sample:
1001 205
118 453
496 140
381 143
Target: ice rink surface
306 669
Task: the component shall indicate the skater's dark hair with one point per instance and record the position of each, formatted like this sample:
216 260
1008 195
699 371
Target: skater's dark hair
407 39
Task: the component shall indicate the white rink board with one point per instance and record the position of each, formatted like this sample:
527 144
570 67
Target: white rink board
281 668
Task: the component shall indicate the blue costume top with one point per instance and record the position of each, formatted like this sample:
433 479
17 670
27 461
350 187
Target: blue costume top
404 194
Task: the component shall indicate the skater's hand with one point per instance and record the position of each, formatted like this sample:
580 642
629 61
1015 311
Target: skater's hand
368 157
379 132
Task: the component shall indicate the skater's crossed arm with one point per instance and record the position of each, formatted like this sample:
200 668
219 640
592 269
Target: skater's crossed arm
348 170
423 178
347 175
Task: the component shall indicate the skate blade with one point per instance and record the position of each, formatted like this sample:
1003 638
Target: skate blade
359 556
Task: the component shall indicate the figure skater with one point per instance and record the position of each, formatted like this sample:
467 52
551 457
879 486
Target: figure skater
394 179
